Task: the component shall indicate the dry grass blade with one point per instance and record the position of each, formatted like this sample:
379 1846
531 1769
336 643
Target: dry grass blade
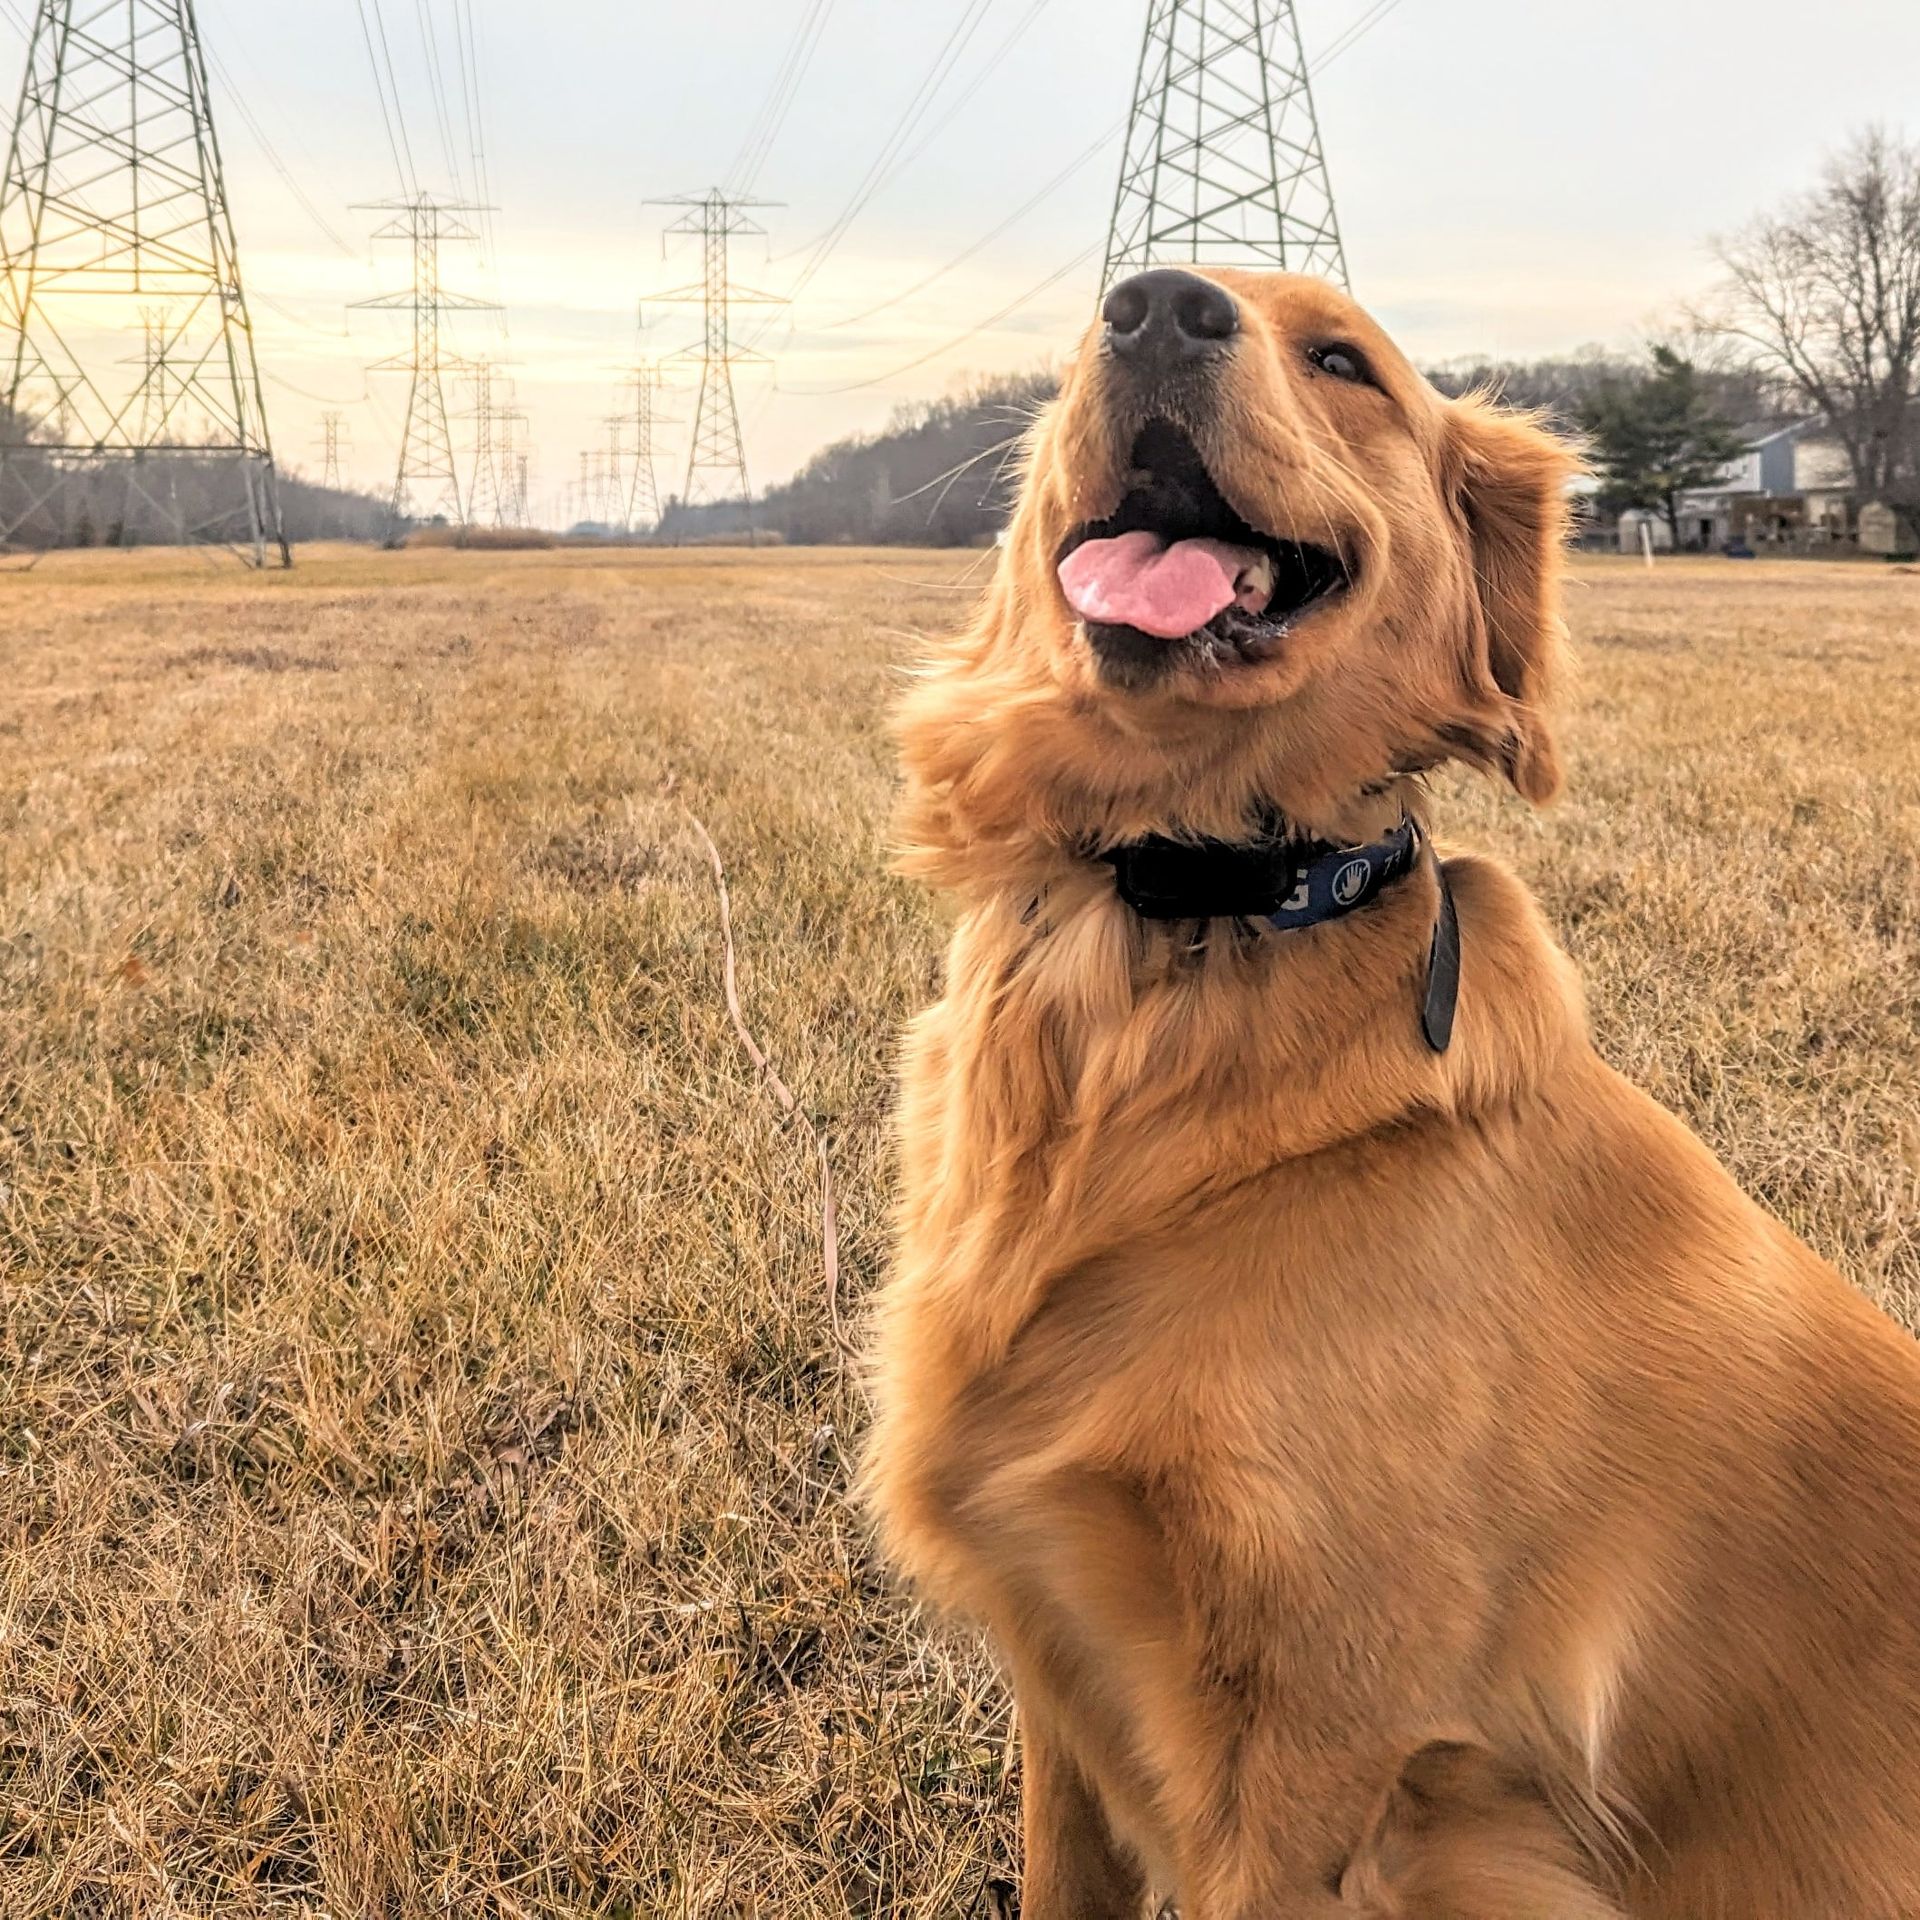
829 1200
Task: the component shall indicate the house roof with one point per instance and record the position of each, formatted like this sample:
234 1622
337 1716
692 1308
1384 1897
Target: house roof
1758 433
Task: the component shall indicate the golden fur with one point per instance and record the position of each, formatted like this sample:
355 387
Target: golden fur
1396 1484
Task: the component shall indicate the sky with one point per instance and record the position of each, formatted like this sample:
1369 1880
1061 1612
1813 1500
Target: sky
1513 178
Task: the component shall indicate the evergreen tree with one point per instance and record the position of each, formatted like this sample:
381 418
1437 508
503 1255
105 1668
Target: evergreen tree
1658 436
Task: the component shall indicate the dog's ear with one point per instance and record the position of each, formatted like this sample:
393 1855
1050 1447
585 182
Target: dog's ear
1509 478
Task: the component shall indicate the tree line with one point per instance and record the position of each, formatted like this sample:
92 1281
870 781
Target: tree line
159 498
942 473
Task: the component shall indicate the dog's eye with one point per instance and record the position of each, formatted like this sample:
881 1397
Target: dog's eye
1343 363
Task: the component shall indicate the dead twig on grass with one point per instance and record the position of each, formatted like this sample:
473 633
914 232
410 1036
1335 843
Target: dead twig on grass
782 1093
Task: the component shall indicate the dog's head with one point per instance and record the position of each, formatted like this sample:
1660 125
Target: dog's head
1257 561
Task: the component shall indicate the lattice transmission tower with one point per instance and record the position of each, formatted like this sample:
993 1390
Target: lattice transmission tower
491 494
427 481
331 425
641 383
1223 163
511 454
593 499
716 455
610 463
114 198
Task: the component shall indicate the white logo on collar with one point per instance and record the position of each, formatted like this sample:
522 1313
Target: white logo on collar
1351 881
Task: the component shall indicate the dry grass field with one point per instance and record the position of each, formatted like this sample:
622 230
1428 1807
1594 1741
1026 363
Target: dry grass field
423 1454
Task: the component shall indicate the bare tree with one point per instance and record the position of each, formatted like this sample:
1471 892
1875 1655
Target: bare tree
1826 296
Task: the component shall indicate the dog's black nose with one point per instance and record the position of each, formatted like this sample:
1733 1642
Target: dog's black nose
1166 317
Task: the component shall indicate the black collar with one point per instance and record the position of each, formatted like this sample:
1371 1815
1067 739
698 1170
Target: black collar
1287 884
1282 883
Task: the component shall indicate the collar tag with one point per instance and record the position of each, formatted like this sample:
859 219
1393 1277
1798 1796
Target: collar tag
1443 970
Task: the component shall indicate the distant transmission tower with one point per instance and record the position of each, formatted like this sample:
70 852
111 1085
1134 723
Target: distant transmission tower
1223 164
641 383
716 457
427 482
607 490
114 192
330 425
613 486
510 457
490 491
156 372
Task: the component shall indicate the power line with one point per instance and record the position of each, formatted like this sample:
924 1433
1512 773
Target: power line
396 125
905 161
299 320
768 122
468 43
1355 30
469 84
239 99
321 399
437 91
974 85
959 340
960 259
877 172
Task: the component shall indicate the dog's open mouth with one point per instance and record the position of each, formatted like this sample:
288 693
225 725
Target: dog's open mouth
1175 575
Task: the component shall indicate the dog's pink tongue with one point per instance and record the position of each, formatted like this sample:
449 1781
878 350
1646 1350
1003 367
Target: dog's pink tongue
1138 580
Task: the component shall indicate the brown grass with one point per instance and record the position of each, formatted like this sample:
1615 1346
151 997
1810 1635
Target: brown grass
422 1473
482 539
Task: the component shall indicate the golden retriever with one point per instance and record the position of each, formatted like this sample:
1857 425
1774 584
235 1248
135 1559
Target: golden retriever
1400 1472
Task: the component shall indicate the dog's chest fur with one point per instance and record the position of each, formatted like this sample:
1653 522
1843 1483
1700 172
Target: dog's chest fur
1119 1328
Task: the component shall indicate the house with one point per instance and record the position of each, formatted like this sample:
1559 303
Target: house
1823 478
1790 486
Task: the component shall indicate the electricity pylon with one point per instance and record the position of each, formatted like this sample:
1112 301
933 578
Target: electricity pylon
490 492
592 499
156 371
332 440
642 381
716 456
1223 163
114 193
330 425
510 459
427 481
607 490
612 465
